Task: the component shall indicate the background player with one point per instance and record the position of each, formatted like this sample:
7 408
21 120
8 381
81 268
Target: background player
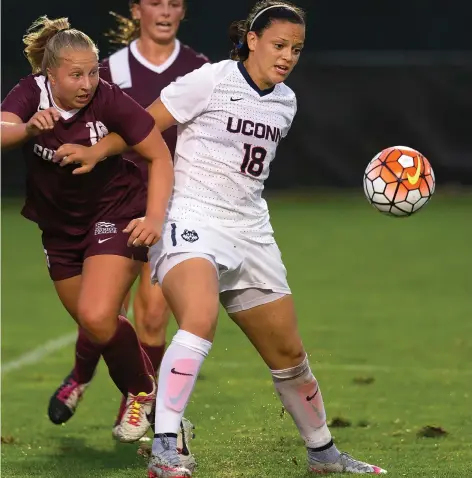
152 59
83 218
218 242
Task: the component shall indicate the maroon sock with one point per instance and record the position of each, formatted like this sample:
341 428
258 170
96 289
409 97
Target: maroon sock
125 360
155 354
87 356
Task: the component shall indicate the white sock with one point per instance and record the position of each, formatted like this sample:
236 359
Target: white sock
300 394
177 376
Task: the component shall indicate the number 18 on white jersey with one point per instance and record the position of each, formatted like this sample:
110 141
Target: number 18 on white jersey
228 134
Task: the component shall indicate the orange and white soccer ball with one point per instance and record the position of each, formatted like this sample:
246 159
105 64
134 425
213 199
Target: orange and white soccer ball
399 181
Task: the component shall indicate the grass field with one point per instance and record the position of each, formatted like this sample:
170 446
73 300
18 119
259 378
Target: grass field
385 310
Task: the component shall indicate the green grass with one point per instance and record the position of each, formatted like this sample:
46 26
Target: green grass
377 298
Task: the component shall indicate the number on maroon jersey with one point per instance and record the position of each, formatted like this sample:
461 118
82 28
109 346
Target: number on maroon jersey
97 131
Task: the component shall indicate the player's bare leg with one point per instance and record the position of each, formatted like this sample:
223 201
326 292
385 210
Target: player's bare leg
127 301
151 317
272 329
64 401
195 305
153 329
106 279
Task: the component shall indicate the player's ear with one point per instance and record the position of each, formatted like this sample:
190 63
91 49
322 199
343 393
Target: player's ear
251 40
50 76
135 11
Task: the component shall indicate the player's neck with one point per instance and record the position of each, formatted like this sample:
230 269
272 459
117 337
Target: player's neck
58 103
257 76
155 53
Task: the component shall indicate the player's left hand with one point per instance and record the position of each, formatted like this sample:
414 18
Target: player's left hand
143 232
76 154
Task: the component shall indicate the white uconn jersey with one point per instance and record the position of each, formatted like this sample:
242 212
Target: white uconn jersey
227 137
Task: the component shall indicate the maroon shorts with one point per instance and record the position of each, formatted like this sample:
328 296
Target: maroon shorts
65 254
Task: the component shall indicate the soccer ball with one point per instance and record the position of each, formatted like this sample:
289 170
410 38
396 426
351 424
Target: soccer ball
399 181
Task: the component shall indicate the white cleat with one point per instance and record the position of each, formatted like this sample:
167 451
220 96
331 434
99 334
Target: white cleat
159 467
167 464
121 411
344 464
185 435
136 418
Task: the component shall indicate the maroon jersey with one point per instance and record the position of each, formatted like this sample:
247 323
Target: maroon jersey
144 81
70 204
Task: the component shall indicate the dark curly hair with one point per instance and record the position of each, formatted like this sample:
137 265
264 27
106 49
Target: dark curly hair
261 17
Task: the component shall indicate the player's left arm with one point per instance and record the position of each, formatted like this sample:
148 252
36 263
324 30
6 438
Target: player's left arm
146 231
138 129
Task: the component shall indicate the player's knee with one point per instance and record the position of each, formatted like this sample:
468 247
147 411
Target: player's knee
99 322
202 325
155 319
290 354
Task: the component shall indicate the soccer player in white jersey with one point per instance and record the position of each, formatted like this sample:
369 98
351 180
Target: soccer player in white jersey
218 244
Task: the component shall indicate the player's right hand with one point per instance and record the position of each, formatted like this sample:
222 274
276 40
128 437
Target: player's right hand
42 121
143 231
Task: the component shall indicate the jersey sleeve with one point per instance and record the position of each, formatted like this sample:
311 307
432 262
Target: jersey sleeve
190 95
125 116
23 99
291 107
294 112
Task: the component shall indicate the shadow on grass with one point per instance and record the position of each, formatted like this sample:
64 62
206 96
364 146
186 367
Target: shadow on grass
73 457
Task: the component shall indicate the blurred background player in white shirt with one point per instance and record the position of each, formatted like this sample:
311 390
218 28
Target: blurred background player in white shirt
217 243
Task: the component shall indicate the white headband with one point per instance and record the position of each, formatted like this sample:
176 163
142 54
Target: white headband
268 8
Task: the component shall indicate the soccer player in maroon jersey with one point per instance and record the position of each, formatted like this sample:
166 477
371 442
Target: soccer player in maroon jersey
86 219
151 59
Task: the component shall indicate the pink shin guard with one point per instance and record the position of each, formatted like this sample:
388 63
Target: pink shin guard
180 383
301 396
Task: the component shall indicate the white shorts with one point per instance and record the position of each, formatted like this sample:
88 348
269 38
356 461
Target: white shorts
241 264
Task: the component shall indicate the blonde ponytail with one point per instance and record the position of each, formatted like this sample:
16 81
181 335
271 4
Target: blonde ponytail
45 39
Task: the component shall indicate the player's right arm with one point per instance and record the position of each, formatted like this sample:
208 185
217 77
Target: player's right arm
20 119
14 132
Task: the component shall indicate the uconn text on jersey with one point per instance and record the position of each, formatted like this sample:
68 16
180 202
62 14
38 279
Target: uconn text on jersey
249 128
